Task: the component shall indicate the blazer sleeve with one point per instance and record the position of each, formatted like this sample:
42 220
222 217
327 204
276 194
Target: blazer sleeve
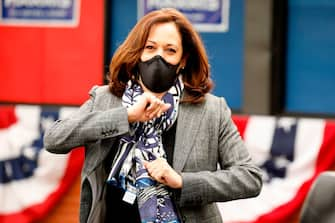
236 177
85 125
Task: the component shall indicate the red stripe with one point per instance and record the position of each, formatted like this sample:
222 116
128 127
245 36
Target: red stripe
39 211
241 123
7 116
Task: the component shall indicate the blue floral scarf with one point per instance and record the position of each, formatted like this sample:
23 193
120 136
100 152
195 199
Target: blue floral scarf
144 142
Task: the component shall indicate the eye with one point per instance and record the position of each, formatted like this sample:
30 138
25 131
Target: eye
149 47
171 50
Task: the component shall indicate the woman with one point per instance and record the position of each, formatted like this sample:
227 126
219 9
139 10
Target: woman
158 146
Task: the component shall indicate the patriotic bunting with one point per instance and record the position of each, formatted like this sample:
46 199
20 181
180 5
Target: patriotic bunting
32 180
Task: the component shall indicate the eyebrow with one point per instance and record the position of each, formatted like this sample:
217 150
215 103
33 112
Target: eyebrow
169 44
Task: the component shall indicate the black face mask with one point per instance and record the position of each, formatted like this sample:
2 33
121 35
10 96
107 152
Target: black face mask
158 75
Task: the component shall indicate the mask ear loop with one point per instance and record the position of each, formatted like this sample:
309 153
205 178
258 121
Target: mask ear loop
181 70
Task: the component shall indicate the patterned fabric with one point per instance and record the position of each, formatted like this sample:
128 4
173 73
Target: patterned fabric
145 143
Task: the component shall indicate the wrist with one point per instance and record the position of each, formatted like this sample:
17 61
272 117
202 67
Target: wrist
131 116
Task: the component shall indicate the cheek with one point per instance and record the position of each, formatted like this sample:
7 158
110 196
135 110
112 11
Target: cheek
172 60
145 57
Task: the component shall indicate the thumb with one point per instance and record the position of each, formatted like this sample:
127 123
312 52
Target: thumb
145 163
166 107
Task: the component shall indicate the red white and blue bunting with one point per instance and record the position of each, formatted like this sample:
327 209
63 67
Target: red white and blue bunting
32 180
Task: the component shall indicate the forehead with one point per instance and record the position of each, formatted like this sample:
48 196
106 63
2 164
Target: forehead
167 33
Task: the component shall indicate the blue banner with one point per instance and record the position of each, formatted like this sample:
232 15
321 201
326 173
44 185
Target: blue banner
205 15
58 13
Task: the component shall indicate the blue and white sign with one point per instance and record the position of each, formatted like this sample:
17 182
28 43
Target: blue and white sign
56 13
205 15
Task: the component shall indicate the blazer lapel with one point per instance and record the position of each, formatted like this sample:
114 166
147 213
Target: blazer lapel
189 119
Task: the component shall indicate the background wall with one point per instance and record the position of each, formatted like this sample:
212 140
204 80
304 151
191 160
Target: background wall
52 65
310 70
257 57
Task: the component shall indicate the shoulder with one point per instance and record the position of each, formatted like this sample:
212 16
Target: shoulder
102 97
215 102
212 103
98 90
217 108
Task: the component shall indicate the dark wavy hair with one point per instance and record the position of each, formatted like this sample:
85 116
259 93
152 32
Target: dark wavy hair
196 73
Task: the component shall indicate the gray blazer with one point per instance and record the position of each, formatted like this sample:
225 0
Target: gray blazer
209 154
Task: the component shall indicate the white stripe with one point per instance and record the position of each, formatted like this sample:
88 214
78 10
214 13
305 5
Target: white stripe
21 194
258 137
308 141
25 130
20 134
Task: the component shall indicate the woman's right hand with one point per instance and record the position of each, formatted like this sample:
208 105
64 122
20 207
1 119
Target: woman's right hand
146 108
